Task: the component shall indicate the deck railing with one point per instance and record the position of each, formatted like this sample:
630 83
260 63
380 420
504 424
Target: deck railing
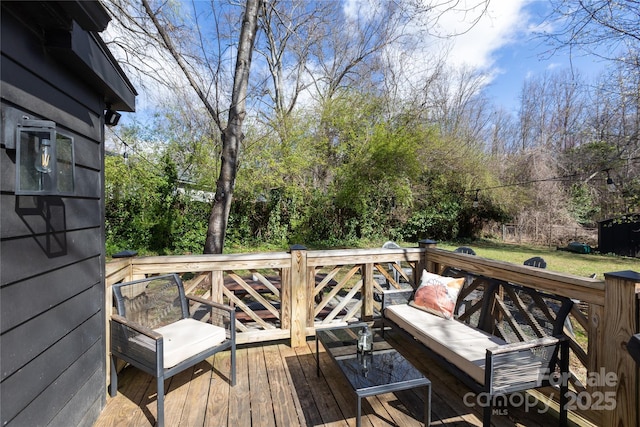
289 295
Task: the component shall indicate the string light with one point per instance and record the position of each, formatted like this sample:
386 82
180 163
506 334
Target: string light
533 181
611 186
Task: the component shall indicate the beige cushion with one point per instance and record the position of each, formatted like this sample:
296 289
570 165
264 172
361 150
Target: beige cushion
460 344
188 337
437 294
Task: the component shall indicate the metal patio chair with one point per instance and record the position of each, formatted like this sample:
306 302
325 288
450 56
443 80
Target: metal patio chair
633 346
157 331
536 261
464 250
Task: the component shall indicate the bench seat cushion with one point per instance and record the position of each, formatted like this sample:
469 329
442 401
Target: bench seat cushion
460 344
188 337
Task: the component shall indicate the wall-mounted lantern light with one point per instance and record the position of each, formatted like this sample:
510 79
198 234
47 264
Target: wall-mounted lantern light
44 159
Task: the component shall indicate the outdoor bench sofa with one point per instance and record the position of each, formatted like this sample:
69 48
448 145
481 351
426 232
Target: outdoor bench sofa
500 337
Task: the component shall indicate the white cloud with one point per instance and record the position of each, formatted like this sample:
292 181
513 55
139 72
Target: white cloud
361 9
503 23
459 42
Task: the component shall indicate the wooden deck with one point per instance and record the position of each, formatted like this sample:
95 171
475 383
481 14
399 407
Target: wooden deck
278 386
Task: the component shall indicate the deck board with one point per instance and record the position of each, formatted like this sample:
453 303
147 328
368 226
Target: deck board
277 386
195 407
239 395
261 403
330 413
281 396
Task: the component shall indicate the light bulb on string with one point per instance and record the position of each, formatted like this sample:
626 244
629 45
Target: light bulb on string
611 186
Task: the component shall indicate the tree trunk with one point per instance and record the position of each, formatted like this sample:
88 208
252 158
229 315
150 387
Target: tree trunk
232 136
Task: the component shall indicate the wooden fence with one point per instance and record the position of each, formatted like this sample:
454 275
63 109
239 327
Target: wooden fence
290 295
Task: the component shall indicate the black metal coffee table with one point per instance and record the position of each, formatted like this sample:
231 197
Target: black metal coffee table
384 370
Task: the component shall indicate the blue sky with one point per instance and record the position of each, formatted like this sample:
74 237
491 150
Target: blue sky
504 44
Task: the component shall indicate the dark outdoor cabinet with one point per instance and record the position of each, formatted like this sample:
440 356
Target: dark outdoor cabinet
620 236
58 78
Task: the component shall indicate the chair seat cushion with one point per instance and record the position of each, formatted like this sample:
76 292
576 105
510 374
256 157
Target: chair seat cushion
460 344
188 337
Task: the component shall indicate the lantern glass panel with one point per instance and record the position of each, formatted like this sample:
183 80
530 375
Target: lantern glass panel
64 164
45 162
35 146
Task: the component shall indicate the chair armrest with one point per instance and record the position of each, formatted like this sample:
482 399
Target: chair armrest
520 366
525 345
633 347
211 303
137 344
396 297
136 327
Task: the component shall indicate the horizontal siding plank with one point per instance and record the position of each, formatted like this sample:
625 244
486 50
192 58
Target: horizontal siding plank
70 413
52 251
47 329
26 51
47 102
87 152
28 215
55 398
87 183
26 384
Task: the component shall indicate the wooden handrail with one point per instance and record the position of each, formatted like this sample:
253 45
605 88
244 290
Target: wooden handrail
579 288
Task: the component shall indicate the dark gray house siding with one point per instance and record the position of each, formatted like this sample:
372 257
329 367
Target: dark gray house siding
52 300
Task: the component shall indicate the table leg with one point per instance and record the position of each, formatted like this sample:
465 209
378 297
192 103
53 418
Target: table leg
427 405
317 358
359 411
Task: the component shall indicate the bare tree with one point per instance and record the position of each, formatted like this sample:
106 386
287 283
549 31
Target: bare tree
457 106
599 27
291 29
501 134
164 35
552 109
232 136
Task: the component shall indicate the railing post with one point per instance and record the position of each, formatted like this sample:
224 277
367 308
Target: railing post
299 295
285 298
217 284
425 264
619 324
367 291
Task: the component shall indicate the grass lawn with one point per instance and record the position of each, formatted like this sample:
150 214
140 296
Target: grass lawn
562 261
